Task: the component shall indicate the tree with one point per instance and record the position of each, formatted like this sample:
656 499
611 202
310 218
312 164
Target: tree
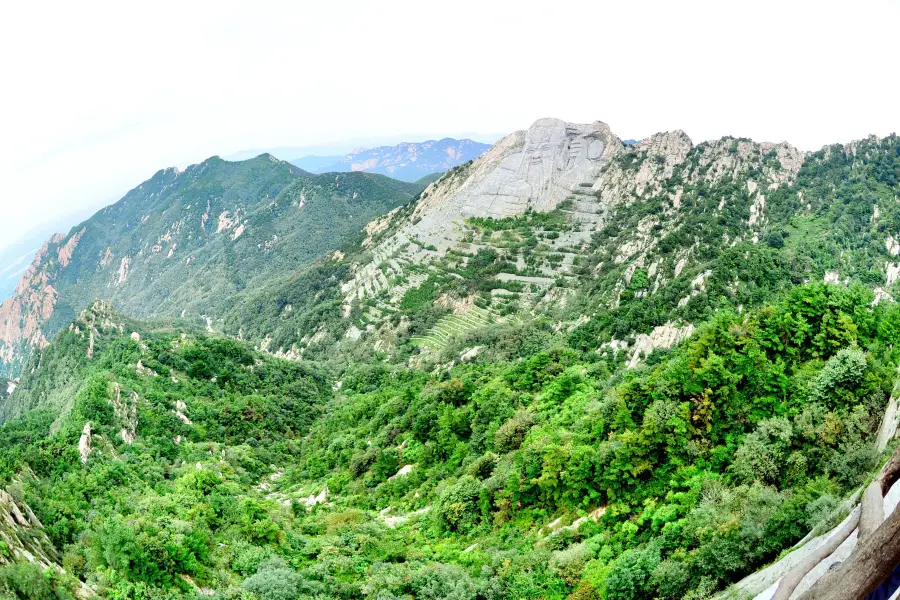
274 580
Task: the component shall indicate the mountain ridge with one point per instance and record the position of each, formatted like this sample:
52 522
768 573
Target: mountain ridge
172 244
587 193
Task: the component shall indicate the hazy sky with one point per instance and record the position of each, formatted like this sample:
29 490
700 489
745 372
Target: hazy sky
97 96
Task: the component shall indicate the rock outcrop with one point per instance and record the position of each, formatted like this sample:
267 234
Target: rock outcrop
22 316
84 443
125 412
533 169
24 539
536 169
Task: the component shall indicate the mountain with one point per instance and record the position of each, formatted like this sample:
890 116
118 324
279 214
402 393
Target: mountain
569 368
406 161
15 262
188 243
625 246
337 149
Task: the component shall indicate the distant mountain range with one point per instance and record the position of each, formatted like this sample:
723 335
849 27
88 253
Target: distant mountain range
407 161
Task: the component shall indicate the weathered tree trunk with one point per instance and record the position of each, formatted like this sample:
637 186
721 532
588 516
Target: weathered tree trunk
870 564
870 518
872 514
890 473
792 578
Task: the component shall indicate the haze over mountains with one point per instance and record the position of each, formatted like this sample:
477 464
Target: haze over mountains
17 255
567 367
406 161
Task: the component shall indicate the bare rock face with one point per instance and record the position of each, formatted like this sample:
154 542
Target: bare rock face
125 412
534 169
84 443
314 499
537 169
22 316
181 412
24 535
667 151
64 254
663 336
553 158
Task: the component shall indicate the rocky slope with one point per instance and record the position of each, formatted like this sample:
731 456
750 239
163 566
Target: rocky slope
185 243
408 161
622 246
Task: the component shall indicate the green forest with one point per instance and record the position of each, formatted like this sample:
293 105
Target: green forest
295 402
541 471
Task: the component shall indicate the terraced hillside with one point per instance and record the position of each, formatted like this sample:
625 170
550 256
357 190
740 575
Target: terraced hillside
620 247
454 325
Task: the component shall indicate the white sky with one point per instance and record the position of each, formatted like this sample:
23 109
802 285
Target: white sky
97 96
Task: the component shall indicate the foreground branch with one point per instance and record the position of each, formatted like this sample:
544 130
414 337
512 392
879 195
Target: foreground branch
792 578
869 565
872 511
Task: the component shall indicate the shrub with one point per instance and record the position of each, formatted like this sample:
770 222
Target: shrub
274 580
838 382
483 466
247 557
763 454
457 508
851 463
30 581
361 462
443 582
512 433
629 575
569 563
671 579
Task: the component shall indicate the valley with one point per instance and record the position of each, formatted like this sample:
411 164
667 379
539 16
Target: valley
570 367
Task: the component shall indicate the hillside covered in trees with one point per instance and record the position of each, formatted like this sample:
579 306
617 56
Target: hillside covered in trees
636 372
